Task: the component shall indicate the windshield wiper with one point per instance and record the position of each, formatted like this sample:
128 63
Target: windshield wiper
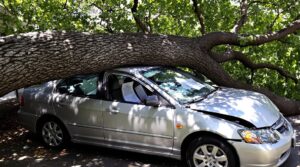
194 100
216 88
201 98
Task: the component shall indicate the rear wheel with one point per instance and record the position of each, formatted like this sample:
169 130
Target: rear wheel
210 152
53 133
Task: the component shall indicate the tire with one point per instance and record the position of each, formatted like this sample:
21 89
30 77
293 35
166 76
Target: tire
210 152
53 133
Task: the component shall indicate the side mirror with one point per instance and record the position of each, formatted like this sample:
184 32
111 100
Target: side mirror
152 101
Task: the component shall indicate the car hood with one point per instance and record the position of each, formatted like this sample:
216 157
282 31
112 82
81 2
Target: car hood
253 107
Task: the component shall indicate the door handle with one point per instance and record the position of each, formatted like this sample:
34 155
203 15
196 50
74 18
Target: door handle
113 110
61 104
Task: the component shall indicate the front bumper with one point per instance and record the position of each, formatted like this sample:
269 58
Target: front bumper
265 155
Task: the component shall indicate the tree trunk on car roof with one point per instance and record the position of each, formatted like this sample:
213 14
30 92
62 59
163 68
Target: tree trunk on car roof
37 57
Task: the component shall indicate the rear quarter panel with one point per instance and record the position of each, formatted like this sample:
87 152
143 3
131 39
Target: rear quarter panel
38 99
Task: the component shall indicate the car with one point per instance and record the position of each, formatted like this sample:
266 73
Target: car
163 111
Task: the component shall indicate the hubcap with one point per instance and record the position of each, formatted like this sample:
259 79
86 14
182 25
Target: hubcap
210 156
52 134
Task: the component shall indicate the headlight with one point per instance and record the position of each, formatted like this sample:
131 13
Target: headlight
259 136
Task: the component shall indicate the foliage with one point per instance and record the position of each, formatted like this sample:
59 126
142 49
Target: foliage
173 17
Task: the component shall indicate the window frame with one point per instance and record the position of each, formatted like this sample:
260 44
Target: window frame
114 72
99 85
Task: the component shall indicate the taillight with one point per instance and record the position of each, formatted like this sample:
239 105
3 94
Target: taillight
21 101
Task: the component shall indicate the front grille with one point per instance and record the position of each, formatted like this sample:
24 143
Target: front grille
280 125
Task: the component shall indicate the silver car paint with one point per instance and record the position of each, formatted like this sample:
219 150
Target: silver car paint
79 114
251 106
40 97
153 130
265 154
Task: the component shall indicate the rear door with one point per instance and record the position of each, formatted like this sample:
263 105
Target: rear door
76 102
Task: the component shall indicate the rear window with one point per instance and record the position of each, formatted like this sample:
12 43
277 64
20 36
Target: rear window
79 86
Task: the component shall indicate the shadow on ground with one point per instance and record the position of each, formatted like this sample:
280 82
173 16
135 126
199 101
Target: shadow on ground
18 147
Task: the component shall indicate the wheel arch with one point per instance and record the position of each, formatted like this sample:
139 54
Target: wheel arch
46 117
188 139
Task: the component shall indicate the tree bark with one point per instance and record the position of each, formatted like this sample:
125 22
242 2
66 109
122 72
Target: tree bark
33 58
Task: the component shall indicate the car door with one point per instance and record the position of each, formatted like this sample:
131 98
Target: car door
129 122
76 102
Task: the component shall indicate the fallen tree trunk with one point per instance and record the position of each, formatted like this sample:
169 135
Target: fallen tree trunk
33 58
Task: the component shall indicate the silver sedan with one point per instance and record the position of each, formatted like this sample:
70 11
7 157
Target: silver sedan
161 111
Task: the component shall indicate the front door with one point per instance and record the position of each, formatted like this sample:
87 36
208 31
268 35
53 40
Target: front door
129 121
76 102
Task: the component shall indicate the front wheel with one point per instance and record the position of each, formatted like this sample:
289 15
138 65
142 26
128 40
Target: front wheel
53 133
210 152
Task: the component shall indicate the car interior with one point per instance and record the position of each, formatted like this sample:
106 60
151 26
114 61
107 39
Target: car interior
125 89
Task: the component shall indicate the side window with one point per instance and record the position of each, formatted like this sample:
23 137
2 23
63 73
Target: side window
79 86
125 89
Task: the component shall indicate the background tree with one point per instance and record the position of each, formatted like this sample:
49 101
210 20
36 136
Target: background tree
209 36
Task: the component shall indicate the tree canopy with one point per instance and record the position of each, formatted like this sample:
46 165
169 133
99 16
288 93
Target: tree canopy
259 50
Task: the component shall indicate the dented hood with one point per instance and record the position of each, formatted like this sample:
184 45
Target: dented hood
250 106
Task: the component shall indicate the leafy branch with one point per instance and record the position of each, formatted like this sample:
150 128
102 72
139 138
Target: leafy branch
199 14
231 55
243 10
218 38
138 21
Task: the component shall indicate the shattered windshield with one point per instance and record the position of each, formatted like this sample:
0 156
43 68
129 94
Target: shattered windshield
182 86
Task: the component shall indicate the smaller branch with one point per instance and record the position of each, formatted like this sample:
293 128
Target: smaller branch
231 55
210 40
244 10
138 21
9 11
109 29
65 5
148 21
287 9
97 6
252 76
270 27
105 20
253 2
199 14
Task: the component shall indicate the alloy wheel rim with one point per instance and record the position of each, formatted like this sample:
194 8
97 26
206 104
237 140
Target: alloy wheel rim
209 155
52 134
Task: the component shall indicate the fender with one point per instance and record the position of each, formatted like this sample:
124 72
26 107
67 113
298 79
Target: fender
229 118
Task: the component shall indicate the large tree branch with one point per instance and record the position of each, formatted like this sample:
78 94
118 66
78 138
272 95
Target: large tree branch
199 14
138 21
243 18
239 56
210 40
32 58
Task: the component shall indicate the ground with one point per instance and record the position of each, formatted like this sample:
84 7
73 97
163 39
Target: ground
19 147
